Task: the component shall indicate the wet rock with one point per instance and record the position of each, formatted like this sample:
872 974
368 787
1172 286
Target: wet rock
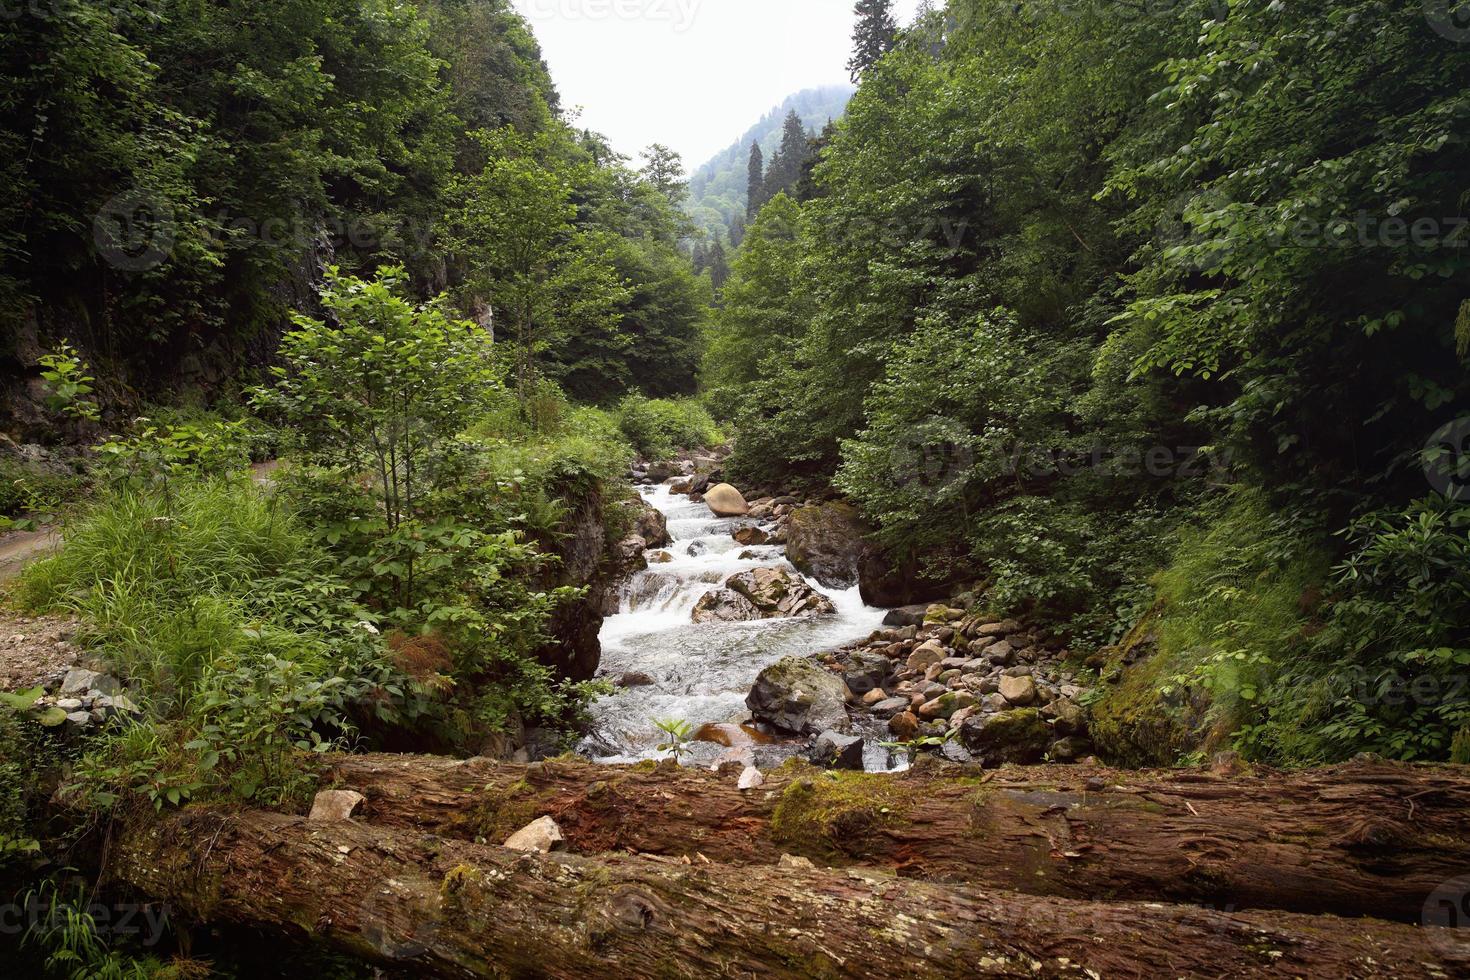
938 614
905 616
542 835
837 751
634 678
1070 749
750 536
827 542
874 696
1020 691
866 671
762 593
889 707
334 805
1019 736
904 726
658 557
653 528
662 470
725 501
798 695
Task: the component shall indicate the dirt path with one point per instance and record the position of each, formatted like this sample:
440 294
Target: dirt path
18 549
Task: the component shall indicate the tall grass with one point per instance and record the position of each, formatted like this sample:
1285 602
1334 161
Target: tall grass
168 581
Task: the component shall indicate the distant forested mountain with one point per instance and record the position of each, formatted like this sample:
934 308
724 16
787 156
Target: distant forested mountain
717 191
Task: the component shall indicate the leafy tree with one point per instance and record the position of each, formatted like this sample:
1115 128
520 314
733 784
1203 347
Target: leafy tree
873 36
665 171
515 232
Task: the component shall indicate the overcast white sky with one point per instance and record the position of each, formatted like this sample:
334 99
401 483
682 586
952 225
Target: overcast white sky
693 74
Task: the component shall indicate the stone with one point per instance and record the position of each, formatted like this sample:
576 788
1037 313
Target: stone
889 707
874 696
796 863
653 528
827 542
634 678
837 751
658 557
866 672
335 805
725 501
70 704
1005 628
79 718
541 835
761 593
939 613
799 696
1001 654
1067 717
751 778
750 536
1070 748
905 616
1019 736
946 705
904 726
1020 691
926 656
80 681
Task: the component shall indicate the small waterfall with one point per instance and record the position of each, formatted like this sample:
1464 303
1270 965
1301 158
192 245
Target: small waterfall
700 672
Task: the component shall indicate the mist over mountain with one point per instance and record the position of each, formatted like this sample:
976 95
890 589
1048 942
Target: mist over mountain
717 190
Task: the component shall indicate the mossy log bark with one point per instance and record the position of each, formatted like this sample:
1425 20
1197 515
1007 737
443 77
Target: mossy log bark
1363 839
427 906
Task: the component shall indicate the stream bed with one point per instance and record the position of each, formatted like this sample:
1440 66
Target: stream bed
701 672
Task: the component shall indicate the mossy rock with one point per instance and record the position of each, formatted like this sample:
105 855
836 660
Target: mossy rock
1020 737
1135 724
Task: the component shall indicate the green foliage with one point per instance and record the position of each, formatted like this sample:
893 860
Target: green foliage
678 732
158 452
657 428
68 384
74 944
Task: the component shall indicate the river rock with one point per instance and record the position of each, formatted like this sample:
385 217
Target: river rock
725 501
889 707
837 751
827 542
1020 691
947 704
926 656
80 681
1019 736
1067 716
905 616
653 528
634 678
542 835
750 778
778 593
800 696
751 536
658 557
904 726
866 671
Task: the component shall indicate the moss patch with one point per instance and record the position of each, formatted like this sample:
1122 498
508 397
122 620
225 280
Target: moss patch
836 815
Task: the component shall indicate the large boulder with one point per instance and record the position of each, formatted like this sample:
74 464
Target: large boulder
827 542
1018 736
653 528
726 501
761 593
799 696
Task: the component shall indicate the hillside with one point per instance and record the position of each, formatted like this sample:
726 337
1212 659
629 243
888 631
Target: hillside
717 189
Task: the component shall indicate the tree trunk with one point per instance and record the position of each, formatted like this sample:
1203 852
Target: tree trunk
1372 839
435 907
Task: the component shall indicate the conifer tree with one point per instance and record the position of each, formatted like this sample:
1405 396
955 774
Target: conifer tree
755 185
873 37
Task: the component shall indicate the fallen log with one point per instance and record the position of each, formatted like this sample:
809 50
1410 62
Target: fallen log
426 906
1364 839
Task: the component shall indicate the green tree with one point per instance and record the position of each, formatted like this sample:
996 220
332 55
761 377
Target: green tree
755 182
665 171
873 36
515 232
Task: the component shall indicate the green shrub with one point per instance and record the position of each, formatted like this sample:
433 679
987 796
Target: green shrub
660 427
